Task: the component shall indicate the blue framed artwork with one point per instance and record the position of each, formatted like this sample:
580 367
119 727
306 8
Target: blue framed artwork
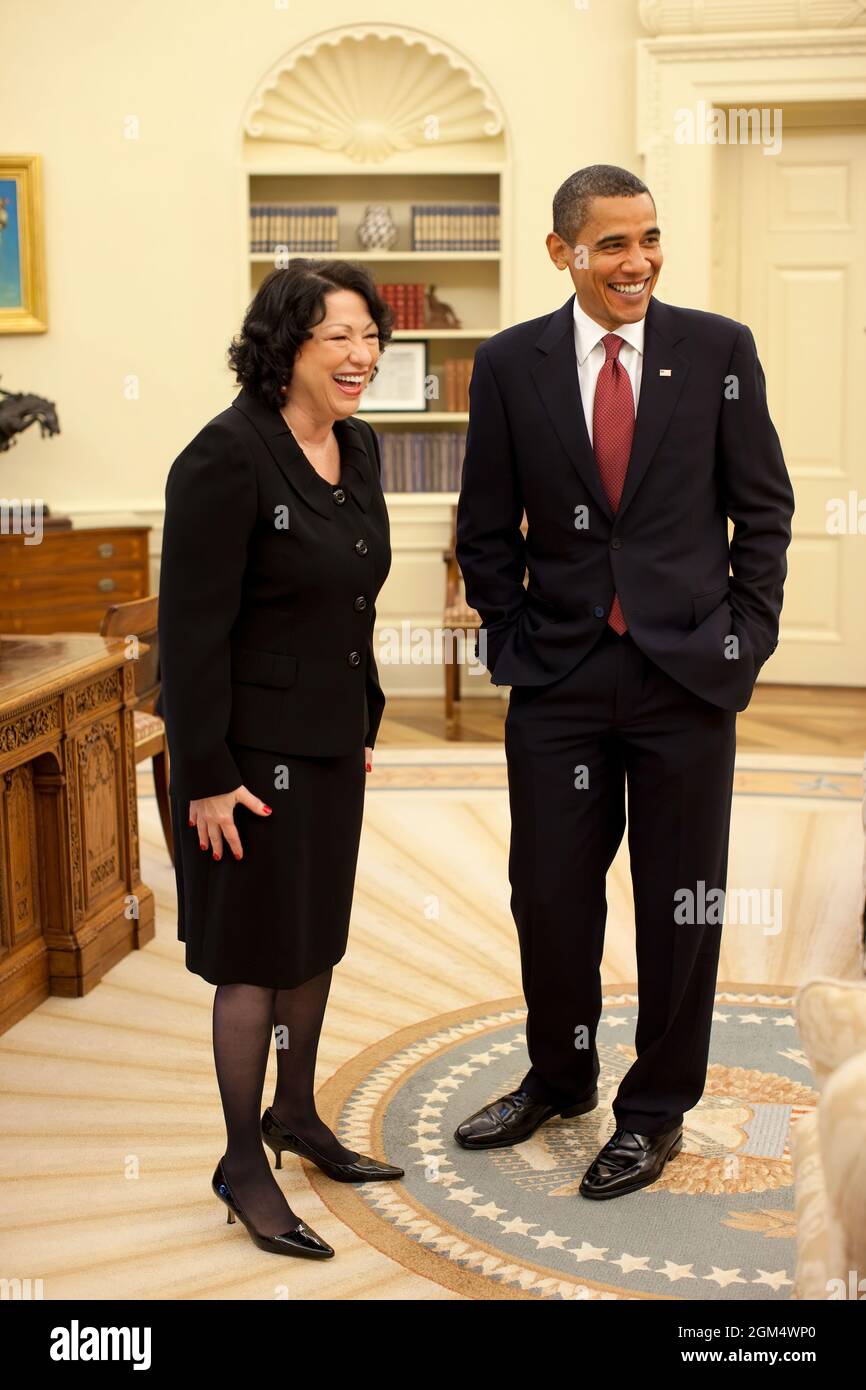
22 256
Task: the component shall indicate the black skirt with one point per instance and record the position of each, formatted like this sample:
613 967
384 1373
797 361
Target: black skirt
279 915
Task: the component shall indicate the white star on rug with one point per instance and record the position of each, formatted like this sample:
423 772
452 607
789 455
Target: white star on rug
490 1210
446 1179
516 1227
589 1252
674 1272
629 1263
795 1054
614 1022
787 1022
550 1240
724 1277
432 1162
751 1018
466 1195
775 1280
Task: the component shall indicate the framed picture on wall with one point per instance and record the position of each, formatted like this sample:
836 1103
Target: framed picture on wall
399 383
22 248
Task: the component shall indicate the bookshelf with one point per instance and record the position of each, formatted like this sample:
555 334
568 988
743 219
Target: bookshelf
469 281
345 120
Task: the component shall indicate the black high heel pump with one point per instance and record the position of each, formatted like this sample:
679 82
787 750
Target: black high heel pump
300 1240
363 1169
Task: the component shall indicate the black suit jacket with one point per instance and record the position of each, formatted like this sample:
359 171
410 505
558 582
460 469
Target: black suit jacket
268 583
698 457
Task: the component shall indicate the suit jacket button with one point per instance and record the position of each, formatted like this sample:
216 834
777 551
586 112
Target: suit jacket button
361 547
616 543
354 658
360 603
598 611
339 496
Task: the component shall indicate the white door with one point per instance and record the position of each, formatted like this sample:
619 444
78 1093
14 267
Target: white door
802 291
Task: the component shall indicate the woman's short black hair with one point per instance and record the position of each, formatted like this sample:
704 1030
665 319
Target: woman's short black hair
286 306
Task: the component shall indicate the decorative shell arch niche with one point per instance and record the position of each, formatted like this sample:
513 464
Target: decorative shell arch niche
373 95
379 113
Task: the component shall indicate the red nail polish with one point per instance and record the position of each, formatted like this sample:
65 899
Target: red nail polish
217 856
192 822
201 846
266 809
369 767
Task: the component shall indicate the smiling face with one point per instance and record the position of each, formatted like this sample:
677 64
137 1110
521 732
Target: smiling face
617 272
333 367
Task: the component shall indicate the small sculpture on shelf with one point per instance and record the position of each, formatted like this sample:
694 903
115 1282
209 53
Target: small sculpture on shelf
18 409
438 313
378 230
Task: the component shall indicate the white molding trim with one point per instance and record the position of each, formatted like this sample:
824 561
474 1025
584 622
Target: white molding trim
706 16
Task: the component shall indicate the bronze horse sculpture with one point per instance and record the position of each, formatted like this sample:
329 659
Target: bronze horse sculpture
18 409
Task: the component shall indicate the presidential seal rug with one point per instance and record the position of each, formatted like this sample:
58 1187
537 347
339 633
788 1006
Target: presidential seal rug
510 1223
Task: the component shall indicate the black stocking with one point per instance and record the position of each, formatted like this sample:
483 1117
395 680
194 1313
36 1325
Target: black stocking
242 1021
298 1015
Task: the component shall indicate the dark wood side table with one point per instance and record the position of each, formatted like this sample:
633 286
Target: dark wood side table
67 581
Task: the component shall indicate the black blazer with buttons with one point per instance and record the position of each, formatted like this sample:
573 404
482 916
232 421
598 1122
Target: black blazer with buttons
704 450
268 584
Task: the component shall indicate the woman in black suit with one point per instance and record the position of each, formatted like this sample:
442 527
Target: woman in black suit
275 546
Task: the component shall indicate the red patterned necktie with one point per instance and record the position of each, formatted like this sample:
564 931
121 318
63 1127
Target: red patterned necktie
612 433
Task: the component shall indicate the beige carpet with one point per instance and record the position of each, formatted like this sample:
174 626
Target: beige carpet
111 1123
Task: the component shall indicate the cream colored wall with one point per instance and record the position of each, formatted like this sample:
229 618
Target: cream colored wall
145 262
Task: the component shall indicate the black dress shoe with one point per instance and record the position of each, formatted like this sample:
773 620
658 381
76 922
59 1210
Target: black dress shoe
300 1240
629 1161
513 1118
362 1169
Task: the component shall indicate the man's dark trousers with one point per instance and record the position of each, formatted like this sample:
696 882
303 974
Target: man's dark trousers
617 721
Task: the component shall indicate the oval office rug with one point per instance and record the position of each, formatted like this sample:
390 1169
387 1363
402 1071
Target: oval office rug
510 1223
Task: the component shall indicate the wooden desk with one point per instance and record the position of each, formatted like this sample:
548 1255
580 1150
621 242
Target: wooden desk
72 903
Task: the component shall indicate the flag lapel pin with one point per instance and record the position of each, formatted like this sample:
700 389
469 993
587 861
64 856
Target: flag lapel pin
664 371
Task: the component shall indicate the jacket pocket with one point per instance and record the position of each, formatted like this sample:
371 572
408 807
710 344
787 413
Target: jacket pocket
704 604
253 667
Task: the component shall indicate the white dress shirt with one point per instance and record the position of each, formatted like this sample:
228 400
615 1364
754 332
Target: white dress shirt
589 351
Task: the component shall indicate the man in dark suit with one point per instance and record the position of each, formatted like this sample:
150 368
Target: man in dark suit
630 632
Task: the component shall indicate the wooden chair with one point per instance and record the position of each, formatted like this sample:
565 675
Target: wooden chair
140 618
458 617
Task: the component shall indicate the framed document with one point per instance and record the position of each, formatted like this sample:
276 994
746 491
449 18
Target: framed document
400 381
22 254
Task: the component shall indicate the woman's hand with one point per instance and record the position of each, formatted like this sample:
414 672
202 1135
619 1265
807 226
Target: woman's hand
368 759
213 817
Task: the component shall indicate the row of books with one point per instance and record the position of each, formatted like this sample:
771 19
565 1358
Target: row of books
416 462
455 378
406 302
304 229
314 228
455 227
